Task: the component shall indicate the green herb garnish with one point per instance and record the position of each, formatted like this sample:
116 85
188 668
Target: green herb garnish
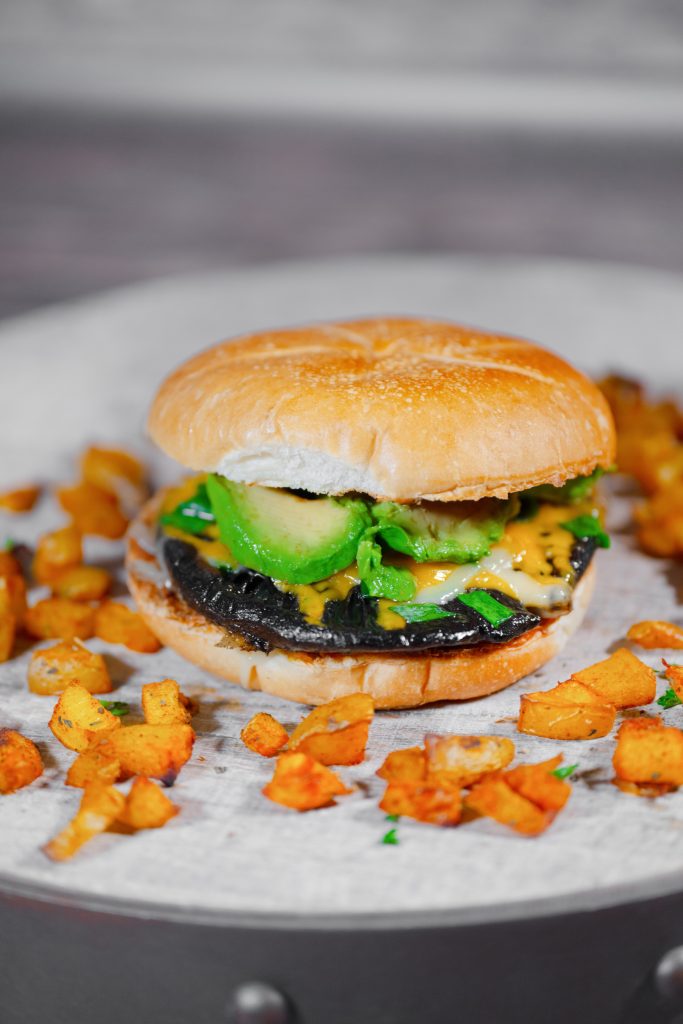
421 612
588 527
9 544
669 699
392 817
378 580
487 606
390 838
117 707
565 772
191 516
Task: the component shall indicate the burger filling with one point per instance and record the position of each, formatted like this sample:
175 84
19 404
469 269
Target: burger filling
303 572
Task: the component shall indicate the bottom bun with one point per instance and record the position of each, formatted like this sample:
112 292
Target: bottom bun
393 680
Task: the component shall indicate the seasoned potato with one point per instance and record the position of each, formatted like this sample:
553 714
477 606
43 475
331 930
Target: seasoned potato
117 624
536 782
674 675
337 732
147 806
653 635
13 597
93 511
8 632
647 751
82 583
79 718
9 563
118 473
264 735
57 618
660 522
302 783
430 802
53 668
157 751
100 807
22 499
96 764
20 761
408 765
57 551
570 711
460 760
622 679
492 797
164 704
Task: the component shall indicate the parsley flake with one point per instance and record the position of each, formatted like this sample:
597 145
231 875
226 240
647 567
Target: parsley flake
117 707
390 838
565 771
669 699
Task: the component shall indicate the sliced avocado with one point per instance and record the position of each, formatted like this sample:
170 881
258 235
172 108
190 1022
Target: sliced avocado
571 492
454 531
284 536
192 516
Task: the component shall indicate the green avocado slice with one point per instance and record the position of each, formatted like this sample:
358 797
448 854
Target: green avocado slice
290 538
455 531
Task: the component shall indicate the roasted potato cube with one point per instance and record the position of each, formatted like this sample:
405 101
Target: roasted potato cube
461 760
622 679
57 618
79 718
570 711
264 735
337 732
302 783
648 751
408 765
8 632
93 511
118 473
13 597
157 751
96 764
117 624
164 704
9 563
100 807
660 522
57 551
649 790
537 783
20 761
492 797
653 635
22 499
430 802
82 583
53 668
147 806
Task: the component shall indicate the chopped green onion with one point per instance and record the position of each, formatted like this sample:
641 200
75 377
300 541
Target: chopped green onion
390 838
393 817
565 771
487 606
587 527
669 699
117 707
421 612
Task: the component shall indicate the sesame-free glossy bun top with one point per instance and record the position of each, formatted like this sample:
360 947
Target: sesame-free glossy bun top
397 408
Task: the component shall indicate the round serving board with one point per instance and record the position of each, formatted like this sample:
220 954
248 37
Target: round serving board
86 373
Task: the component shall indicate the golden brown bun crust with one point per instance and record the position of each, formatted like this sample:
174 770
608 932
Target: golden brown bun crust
396 408
394 681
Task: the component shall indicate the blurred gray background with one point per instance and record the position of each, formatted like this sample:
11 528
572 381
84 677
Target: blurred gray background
146 137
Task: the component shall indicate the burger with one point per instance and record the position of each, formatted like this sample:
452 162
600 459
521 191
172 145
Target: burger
404 507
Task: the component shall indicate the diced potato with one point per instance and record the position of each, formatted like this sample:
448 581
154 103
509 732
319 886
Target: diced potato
20 761
429 802
492 797
57 618
408 765
264 735
654 635
302 783
79 718
164 704
622 679
461 760
649 790
660 522
93 510
13 597
118 473
117 624
57 551
570 711
96 764
674 675
53 668
337 732
648 751
9 564
22 499
100 807
147 806
82 583
8 632
537 783
157 751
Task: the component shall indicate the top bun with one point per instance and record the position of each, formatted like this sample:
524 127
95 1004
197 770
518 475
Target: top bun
396 408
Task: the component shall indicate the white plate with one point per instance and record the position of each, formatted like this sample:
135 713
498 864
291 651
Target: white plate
87 372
